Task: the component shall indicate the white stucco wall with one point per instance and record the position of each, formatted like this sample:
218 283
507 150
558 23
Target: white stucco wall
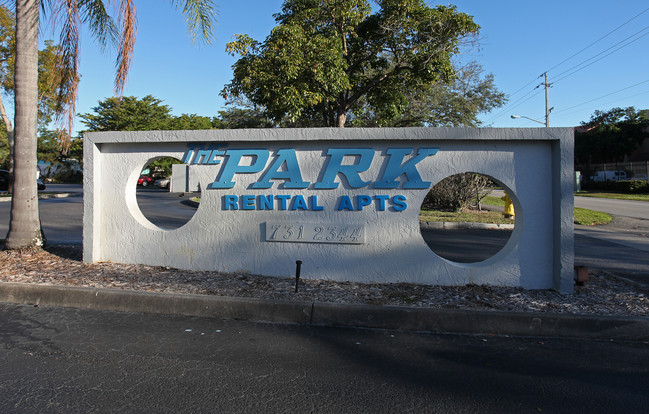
535 165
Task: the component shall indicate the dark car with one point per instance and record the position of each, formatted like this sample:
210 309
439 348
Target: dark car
144 180
4 181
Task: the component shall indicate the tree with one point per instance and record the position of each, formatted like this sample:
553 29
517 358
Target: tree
190 121
454 104
128 113
49 70
324 56
24 226
458 192
248 116
610 135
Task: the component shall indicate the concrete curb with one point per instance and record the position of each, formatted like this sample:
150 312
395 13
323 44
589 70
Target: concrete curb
449 225
46 196
330 314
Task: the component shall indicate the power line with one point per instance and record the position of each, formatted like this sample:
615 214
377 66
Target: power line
603 96
608 102
526 85
600 39
575 68
602 57
508 107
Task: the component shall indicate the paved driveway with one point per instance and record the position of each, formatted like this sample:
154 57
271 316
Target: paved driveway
626 208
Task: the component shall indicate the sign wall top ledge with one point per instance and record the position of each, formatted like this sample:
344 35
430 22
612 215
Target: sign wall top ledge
332 134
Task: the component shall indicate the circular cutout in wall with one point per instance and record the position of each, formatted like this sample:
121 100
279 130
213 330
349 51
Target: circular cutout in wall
466 218
159 206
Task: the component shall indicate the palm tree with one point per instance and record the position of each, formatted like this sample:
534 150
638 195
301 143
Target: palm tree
24 225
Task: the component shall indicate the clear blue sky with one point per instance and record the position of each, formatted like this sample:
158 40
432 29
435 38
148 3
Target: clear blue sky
518 42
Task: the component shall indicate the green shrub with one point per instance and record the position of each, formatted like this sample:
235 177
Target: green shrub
458 192
626 186
68 177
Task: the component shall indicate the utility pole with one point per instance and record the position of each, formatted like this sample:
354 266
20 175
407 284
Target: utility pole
547 100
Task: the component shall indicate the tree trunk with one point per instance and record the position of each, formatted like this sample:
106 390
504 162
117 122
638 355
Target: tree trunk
24 225
340 120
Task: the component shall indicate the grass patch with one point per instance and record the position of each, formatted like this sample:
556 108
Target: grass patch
473 216
587 217
493 201
582 216
618 196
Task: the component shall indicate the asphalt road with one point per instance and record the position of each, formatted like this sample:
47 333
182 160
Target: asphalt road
626 208
67 360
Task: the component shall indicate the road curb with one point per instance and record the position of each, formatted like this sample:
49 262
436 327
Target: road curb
331 314
46 196
452 225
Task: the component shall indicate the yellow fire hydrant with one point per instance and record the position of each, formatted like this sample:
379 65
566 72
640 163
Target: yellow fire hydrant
509 207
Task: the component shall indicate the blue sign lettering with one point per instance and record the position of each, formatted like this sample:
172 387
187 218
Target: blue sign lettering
394 169
292 175
351 172
232 166
285 167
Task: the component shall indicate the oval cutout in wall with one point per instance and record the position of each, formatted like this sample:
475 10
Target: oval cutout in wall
464 218
166 210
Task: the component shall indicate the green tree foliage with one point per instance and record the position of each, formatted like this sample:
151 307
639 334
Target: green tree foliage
243 117
129 113
49 69
610 135
191 121
327 58
48 147
453 104
4 150
69 15
161 168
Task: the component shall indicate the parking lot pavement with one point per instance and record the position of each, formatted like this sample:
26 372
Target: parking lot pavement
71 360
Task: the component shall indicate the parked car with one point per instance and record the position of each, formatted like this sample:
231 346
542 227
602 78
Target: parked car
4 181
162 183
144 180
609 176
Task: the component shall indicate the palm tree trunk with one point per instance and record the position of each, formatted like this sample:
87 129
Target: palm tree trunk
24 225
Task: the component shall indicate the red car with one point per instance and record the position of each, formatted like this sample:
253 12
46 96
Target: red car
144 180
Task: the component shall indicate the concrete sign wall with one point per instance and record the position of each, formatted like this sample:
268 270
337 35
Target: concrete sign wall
345 202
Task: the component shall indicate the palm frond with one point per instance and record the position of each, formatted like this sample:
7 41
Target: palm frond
200 16
128 31
101 24
68 55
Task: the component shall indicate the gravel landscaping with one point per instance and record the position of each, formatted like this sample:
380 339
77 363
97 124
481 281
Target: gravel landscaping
604 294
